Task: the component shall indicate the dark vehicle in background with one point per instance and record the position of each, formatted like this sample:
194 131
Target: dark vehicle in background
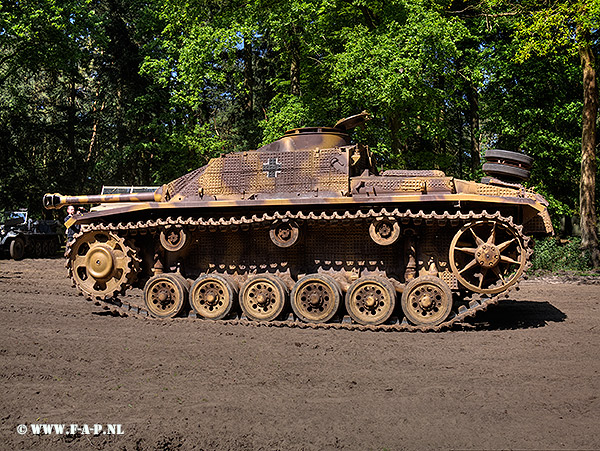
22 237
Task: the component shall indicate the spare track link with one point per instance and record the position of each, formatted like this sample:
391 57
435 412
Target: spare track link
478 302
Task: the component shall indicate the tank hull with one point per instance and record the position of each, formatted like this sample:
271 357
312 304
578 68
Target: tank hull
336 241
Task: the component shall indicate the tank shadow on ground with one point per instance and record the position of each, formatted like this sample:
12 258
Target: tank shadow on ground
112 313
506 315
510 314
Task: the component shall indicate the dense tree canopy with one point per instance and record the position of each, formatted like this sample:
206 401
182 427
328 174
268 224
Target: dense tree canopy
97 92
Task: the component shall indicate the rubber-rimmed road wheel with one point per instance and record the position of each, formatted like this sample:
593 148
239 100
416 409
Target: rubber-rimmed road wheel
212 296
502 170
370 300
315 298
426 300
262 297
497 155
165 295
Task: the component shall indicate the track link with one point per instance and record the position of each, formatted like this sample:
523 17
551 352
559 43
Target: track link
477 303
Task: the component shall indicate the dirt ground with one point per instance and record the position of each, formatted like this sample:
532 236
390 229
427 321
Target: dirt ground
525 377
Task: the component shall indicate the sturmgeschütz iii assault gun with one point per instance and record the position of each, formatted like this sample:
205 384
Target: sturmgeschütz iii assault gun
305 232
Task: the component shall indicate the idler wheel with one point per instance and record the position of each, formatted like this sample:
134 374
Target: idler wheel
426 300
315 298
212 296
487 256
165 295
370 300
262 297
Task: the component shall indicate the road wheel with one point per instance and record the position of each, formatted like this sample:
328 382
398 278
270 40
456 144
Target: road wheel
315 298
165 295
17 248
370 300
262 297
212 296
38 249
501 170
514 158
426 300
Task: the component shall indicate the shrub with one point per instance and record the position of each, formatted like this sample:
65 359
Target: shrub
553 254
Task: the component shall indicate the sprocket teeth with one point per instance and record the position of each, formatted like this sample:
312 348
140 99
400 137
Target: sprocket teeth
117 285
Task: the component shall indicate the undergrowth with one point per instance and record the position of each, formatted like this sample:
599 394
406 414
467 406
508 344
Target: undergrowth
553 254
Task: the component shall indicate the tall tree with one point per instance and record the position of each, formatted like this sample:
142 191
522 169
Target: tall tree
569 27
573 26
42 111
72 100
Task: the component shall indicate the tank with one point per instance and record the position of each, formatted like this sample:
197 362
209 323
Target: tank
304 232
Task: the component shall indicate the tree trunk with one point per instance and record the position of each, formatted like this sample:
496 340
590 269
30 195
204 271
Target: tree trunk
473 98
397 149
587 187
248 79
95 120
295 64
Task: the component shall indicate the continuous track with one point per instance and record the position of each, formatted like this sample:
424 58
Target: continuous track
476 304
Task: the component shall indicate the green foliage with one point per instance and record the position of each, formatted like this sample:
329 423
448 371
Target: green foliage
552 255
556 208
547 128
74 111
141 92
288 111
562 26
406 72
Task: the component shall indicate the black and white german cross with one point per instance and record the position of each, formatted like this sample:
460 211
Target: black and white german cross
272 168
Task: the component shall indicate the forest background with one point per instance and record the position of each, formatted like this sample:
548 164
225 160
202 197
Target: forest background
131 92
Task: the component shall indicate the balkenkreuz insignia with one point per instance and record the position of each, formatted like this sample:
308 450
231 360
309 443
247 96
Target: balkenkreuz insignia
272 168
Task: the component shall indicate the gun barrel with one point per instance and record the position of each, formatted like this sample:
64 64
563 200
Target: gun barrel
55 201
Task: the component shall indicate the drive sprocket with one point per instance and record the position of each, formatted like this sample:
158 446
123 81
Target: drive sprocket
101 264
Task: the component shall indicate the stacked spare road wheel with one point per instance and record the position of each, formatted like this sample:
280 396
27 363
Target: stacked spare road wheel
507 165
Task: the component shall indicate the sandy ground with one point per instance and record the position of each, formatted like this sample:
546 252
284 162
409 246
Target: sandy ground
525 377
